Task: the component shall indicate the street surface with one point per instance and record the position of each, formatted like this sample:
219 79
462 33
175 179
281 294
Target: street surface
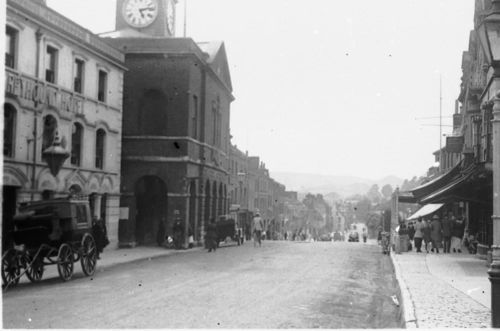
280 285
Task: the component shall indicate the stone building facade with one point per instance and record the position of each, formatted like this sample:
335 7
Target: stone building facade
463 186
176 143
60 80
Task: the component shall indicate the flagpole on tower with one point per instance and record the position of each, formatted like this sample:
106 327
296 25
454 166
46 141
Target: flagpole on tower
185 17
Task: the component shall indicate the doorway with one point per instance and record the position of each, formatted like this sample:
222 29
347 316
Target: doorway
151 204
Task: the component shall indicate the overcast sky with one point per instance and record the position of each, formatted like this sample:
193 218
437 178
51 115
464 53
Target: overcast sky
329 87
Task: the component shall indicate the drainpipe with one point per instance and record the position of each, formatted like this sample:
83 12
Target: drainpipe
204 220
38 35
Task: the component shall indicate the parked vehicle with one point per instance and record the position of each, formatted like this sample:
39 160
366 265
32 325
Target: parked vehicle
353 236
337 236
50 232
325 237
228 227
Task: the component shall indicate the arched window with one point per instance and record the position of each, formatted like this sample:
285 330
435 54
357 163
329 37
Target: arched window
153 113
9 132
76 144
100 141
49 132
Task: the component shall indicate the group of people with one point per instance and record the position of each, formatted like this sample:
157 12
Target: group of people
446 232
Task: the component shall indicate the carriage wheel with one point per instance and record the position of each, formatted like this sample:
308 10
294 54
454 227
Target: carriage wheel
35 268
65 262
89 255
11 268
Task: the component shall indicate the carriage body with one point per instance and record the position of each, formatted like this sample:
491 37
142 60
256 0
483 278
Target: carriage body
52 222
47 232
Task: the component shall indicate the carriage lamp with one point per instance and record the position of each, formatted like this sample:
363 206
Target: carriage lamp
55 155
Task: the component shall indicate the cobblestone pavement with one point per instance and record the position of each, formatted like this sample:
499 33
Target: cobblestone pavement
435 303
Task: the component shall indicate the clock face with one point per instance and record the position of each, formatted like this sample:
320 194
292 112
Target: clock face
140 13
170 17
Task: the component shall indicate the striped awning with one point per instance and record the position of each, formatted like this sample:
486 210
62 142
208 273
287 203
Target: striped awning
426 210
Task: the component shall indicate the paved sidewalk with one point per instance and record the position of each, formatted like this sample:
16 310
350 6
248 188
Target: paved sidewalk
443 290
112 256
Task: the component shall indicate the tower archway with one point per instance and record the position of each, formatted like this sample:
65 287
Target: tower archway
151 203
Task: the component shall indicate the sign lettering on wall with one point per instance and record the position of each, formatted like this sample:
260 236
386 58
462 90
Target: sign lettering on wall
33 90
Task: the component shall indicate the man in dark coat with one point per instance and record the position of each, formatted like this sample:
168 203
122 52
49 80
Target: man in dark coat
100 234
211 237
457 234
436 235
178 230
446 228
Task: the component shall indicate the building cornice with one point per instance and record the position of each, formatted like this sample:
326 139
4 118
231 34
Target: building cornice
176 138
67 29
165 159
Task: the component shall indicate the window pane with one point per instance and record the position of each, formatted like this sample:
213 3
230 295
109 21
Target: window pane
78 75
99 149
10 47
8 133
50 64
76 143
101 94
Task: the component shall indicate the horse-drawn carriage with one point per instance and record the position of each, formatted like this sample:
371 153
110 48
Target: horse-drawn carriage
229 227
50 232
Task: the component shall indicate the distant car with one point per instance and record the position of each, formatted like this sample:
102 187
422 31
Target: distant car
325 237
337 236
353 236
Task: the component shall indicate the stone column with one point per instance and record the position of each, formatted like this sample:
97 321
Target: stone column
186 219
97 206
202 217
494 271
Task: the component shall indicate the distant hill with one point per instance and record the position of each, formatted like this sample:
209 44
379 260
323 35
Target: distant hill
324 184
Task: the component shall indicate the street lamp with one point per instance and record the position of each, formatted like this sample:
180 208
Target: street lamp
489 36
55 155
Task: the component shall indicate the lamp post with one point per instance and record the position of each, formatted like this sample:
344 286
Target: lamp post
489 36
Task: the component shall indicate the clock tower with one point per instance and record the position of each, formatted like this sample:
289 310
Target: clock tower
152 17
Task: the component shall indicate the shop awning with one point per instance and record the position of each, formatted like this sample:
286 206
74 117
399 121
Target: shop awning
465 187
426 210
414 195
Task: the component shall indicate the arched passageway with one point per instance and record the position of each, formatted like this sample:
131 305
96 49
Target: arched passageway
151 204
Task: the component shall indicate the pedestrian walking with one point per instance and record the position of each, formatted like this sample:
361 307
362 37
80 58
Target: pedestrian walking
211 237
427 234
178 230
446 225
419 234
190 236
436 233
100 234
365 235
257 230
457 233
